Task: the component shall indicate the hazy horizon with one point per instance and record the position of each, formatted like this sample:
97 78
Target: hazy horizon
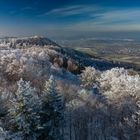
60 18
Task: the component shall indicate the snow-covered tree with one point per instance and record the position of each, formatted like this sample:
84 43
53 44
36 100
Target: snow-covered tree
51 112
24 111
105 106
89 77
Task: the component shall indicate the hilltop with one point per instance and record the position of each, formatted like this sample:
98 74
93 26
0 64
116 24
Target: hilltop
66 54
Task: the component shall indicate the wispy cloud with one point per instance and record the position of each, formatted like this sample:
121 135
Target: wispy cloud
125 15
72 10
27 8
96 18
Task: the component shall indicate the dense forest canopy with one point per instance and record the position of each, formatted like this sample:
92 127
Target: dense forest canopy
47 94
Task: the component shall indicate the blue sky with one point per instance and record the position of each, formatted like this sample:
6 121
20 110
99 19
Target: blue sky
32 17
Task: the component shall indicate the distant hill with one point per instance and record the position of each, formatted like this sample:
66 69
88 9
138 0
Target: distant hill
78 60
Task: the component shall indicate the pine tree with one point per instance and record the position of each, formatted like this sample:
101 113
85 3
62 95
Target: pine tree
24 111
52 112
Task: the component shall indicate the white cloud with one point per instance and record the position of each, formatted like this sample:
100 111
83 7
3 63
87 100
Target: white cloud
72 10
129 15
99 18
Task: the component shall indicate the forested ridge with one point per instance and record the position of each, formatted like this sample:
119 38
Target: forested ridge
47 93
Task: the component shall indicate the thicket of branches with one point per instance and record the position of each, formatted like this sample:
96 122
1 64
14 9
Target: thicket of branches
105 106
95 105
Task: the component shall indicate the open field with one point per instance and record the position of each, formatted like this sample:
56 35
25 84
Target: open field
118 51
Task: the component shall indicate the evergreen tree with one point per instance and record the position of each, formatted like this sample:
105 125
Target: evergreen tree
24 111
51 112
